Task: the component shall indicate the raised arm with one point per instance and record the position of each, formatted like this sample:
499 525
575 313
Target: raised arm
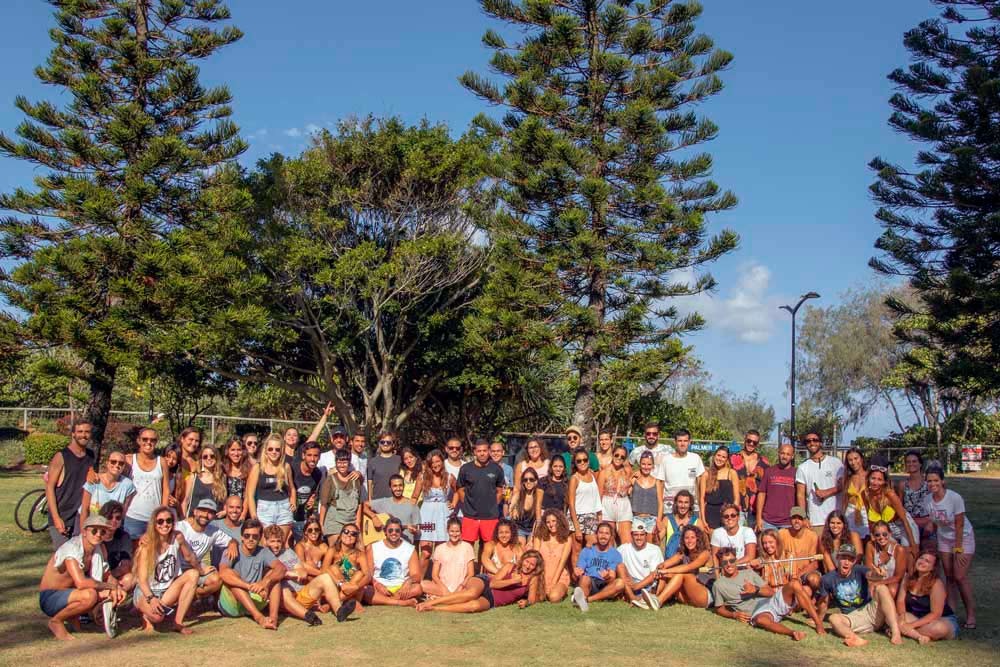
318 429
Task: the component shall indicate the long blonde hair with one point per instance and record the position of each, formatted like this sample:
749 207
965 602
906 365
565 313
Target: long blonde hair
280 473
218 475
153 544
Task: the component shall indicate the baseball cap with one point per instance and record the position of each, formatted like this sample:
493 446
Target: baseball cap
207 504
96 521
799 512
639 527
338 430
847 549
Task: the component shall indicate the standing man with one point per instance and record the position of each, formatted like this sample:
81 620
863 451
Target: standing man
307 478
818 482
574 441
382 467
652 444
453 453
338 441
749 465
359 455
776 493
67 473
498 452
480 488
681 470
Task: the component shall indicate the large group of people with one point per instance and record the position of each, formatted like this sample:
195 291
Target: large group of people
286 527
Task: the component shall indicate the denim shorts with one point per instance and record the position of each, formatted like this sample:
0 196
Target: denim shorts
274 512
954 622
53 601
135 528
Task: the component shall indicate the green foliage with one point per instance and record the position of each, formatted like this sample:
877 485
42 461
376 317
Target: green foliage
120 166
735 414
596 169
941 220
39 448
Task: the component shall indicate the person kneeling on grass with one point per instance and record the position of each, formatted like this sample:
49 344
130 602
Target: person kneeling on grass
302 594
865 604
159 582
251 580
520 583
395 569
66 590
596 570
637 570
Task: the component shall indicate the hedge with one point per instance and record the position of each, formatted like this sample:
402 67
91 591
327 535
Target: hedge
39 448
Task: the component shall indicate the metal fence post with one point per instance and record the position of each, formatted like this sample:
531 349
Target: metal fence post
213 432
25 420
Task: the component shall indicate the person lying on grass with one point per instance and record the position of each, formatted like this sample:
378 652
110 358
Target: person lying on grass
514 583
65 591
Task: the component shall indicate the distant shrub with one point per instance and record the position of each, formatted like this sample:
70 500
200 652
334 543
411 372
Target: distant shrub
39 448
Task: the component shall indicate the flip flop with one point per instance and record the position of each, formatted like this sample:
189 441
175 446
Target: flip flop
969 626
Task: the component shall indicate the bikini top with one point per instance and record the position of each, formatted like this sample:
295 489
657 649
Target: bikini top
887 514
854 496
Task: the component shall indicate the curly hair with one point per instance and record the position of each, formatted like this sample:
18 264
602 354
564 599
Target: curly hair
562 527
701 544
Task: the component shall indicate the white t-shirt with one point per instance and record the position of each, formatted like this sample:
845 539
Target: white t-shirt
679 473
739 541
943 515
659 452
826 474
639 563
72 549
391 566
203 542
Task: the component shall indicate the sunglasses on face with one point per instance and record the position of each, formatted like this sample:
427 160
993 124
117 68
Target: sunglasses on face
729 515
881 534
164 522
653 433
812 440
349 533
273 449
728 561
97 531
116 462
531 479
393 530
208 457
311 530
618 457
748 441
453 449
385 442
251 537
153 440
582 461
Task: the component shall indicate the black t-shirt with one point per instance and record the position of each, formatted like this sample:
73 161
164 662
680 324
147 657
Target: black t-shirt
480 485
305 486
380 469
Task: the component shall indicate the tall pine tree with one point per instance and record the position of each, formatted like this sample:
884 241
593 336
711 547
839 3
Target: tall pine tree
941 219
599 171
122 165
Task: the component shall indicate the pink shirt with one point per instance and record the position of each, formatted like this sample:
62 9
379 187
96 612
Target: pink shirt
454 561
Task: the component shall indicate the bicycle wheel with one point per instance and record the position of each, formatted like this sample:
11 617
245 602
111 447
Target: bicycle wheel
24 508
38 520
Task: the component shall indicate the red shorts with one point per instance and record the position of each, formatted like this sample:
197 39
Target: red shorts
481 529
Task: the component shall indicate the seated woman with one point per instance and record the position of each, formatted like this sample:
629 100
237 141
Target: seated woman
681 570
503 549
835 533
453 561
520 583
553 542
160 584
922 603
788 592
302 594
348 565
682 515
311 549
885 557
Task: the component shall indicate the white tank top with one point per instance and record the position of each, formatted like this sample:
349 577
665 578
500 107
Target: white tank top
168 568
148 490
588 497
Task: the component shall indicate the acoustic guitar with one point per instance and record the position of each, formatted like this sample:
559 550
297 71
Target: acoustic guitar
370 534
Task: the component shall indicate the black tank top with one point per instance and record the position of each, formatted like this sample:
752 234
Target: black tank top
920 605
69 494
267 487
554 494
199 491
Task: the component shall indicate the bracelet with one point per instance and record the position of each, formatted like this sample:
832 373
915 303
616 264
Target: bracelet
958 550
149 598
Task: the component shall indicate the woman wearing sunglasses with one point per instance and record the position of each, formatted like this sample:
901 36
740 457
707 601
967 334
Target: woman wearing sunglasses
884 557
348 565
526 506
207 483
160 585
270 491
110 485
615 483
883 504
584 500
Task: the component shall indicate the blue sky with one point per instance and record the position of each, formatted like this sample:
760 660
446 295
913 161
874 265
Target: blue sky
804 110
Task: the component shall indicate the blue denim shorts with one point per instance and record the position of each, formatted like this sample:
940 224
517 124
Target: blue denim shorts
53 601
274 512
135 528
954 622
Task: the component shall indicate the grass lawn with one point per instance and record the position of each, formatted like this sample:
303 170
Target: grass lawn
544 634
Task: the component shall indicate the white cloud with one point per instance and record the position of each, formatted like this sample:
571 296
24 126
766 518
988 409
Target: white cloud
312 128
293 132
745 311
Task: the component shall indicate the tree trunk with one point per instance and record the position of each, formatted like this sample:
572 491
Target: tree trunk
102 382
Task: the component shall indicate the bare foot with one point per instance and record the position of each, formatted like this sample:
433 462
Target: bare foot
424 606
855 641
270 624
58 628
146 625
359 608
895 639
811 623
798 636
182 629
412 602
265 622
924 639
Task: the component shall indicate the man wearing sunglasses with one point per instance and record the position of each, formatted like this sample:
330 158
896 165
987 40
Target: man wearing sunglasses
749 465
818 482
382 467
652 444
395 569
66 591
252 579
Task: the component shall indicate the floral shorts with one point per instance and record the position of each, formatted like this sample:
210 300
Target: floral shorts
588 523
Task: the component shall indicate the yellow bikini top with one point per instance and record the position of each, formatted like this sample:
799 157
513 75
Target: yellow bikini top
854 496
887 514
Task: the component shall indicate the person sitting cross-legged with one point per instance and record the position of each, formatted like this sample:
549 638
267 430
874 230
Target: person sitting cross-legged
395 569
454 562
865 605
302 594
251 581
596 570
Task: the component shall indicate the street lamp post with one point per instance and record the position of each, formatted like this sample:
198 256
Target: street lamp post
793 310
